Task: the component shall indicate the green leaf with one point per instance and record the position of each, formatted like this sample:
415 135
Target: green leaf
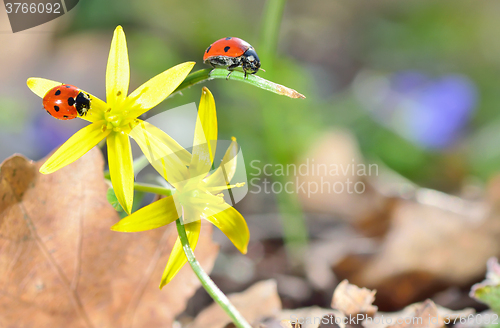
222 73
489 295
111 197
488 291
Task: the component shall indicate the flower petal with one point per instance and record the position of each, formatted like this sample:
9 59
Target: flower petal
118 69
152 216
41 86
233 225
194 210
121 168
97 109
205 136
177 257
160 142
75 147
158 88
227 168
163 152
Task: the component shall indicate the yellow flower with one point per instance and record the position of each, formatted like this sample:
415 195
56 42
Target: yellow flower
115 118
196 195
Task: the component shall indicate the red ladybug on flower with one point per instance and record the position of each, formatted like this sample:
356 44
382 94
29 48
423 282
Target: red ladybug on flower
66 102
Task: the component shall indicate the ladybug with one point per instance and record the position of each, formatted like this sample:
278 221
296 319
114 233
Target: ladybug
66 102
232 52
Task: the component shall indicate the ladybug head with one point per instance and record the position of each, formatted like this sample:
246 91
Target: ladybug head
82 103
250 61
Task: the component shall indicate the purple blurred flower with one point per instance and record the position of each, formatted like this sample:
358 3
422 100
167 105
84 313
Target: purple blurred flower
48 133
430 112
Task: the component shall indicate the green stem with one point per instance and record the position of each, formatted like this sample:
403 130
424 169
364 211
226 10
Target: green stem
140 163
207 283
222 73
271 23
154 189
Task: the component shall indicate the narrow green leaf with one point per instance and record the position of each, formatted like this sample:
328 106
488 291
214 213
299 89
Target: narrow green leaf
222 73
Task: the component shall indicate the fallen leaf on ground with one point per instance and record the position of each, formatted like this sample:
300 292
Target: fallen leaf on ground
433 316
62 266
422 240
424 315
352 300
435 241
349 321
288 324
259 301
309 317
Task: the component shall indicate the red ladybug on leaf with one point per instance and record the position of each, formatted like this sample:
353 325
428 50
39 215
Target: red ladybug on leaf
232 52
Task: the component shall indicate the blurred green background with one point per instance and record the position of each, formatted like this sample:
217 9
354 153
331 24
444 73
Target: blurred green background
415 80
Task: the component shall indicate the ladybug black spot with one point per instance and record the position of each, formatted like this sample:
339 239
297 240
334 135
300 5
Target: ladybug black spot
71 101
226 49
56 108
208 49
65 116
58 92
228 38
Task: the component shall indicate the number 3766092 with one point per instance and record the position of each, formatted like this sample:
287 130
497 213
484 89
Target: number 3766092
33 8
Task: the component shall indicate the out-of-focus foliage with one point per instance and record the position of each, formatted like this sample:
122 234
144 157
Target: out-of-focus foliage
415 80
412 83
488 291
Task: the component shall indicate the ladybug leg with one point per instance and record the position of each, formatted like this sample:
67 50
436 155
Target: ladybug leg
245 69
231 68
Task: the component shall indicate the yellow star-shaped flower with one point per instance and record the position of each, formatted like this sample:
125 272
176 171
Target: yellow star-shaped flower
197 194
114 119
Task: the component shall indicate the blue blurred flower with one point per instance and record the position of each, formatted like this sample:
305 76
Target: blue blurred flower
432 113
47 134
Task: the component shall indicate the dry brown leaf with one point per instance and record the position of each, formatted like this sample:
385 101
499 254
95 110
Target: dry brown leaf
315 317
259 301
289 324
429 248
61 265
432 315
418 315
422 240
425 315
309 317
350 321
352 300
